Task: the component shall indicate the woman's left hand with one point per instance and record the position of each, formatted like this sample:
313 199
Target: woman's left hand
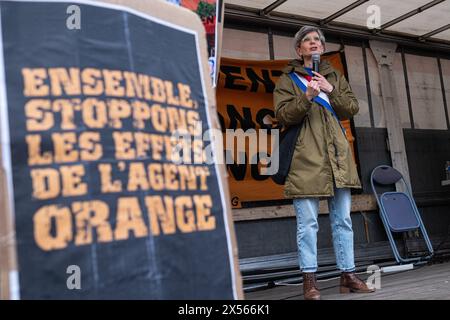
324 85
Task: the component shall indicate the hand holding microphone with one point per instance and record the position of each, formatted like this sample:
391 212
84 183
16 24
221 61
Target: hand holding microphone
324 85
313 88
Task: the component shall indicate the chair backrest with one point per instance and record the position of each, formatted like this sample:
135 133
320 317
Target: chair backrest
397 207
386 175
399 211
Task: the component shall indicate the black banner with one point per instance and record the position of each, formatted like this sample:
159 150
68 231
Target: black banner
102 208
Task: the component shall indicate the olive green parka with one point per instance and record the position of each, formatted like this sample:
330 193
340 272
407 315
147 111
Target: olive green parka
322 153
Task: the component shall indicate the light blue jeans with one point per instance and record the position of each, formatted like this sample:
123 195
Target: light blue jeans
307 210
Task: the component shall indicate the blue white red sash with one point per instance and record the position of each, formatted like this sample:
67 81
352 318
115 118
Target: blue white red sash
321 99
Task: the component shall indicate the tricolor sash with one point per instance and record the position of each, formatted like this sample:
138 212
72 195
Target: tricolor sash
321 99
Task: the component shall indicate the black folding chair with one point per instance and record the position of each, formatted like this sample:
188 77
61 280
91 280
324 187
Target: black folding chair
398 210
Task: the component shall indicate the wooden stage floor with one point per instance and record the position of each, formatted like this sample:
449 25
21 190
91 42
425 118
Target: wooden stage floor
426 282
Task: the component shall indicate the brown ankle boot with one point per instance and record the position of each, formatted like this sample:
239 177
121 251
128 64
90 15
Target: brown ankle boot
310 291
351 283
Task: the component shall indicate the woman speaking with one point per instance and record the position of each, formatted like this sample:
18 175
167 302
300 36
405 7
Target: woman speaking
322 165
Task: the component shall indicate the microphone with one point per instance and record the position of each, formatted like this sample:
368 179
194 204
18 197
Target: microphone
315 61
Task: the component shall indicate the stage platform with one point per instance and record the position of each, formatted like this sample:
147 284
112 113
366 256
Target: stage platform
426 282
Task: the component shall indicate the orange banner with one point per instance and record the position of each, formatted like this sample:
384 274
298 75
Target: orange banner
245 101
